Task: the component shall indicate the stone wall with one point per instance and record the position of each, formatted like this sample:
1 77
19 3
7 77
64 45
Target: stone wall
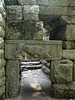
22 15
2 61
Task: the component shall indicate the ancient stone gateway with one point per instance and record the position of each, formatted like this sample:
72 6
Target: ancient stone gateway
24 40
27 50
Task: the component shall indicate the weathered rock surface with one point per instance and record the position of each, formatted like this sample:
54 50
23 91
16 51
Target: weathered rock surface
31 12
69 54
2 81
14 13
12 77
2 63
2 21
11 2
27 2
2 32
1 53
63 90
22 30
2 9
33 50
69 44
61 71
1 43
2 72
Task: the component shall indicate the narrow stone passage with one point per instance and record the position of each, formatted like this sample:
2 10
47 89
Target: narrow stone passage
35 85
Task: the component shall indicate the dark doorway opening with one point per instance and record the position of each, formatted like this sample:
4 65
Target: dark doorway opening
35 81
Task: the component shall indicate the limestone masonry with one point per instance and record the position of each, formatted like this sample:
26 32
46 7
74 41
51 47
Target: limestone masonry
2 61
21 37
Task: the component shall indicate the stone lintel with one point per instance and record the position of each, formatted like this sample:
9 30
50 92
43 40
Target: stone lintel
33 49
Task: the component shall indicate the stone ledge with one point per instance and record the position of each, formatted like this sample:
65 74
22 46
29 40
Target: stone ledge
33 49
69 19
24 30
31 12
57 11
2 10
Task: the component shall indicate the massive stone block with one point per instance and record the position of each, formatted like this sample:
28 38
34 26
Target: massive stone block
54 10
22 30
14 13
33 50
69 54
27 2
69 19
61 71
12 77
30 12
63 90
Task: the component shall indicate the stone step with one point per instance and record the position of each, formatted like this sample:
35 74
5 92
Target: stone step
30 67
30 63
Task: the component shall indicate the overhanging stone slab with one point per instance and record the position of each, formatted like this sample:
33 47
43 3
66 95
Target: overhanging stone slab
33 50
53 10
56 2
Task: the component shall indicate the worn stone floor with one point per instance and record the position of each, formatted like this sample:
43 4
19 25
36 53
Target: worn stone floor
35 85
